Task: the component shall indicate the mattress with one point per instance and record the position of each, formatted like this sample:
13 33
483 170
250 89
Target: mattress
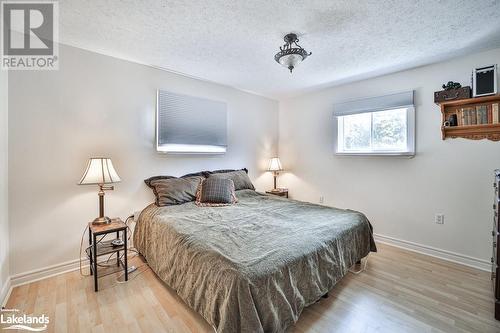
255 265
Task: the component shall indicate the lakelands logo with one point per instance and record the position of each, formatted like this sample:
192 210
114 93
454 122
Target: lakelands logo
10 319
30 32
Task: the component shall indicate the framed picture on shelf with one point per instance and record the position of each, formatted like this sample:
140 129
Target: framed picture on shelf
484 81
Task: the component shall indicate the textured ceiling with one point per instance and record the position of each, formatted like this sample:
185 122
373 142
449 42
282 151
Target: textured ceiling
233 41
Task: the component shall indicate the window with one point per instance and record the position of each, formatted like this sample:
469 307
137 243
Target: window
192 125
386 130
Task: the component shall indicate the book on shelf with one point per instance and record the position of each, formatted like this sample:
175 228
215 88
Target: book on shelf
479 115
465 116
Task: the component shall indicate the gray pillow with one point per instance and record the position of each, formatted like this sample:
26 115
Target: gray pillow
189 175
174 191
149 180
215 191
240 179
208 173
196 174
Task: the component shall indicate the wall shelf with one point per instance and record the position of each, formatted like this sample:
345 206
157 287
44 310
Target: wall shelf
490 131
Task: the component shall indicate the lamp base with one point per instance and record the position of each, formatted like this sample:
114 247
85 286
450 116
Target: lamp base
102 220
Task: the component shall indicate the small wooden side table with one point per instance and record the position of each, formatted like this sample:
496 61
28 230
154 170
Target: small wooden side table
98 247
281 192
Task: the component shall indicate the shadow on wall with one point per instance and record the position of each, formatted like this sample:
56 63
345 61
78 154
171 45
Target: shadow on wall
291 181
264 181
4 268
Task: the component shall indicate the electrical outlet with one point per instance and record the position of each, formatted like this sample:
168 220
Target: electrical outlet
321 199
439 219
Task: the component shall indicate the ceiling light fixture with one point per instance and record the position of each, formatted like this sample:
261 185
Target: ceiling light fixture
291 55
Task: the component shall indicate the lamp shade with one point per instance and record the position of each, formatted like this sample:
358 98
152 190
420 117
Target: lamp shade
99 171
275 164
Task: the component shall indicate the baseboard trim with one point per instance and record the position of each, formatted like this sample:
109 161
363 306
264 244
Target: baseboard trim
5 292
46 272
481 264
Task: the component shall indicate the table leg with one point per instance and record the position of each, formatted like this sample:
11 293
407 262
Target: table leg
94 259
126 254
90 256
118 252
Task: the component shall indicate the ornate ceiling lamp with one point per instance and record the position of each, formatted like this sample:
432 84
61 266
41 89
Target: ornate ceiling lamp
291 54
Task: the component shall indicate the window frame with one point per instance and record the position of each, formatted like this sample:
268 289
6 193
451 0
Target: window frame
410 135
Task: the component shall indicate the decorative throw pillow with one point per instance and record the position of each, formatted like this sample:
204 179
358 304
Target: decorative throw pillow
216 192
240 179
173 191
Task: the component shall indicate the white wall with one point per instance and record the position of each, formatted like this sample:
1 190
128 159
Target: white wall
399 195
4 215
98 105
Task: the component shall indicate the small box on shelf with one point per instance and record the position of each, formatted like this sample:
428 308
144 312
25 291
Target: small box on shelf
452 94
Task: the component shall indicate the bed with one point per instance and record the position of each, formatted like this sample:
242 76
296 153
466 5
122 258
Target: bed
255 265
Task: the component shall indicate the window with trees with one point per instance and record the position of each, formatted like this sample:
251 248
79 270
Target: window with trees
385 130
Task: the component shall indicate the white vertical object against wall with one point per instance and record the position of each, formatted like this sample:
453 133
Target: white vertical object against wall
400 196
4 215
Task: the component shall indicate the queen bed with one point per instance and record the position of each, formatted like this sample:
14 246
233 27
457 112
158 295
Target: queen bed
255 265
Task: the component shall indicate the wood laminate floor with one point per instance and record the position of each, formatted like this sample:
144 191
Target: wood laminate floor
400 291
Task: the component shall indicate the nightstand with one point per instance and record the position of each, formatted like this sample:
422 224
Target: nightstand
98 247
281 192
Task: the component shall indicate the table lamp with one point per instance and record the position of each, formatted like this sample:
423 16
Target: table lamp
275 167
100 171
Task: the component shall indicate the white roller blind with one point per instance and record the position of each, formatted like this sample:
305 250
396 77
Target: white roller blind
187 124
373 104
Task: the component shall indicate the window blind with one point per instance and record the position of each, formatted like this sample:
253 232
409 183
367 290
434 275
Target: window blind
373 104
187 124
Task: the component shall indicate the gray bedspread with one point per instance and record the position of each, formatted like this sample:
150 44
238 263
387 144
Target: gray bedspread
255 265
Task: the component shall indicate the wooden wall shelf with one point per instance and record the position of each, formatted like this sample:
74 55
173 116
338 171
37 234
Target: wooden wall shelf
490 131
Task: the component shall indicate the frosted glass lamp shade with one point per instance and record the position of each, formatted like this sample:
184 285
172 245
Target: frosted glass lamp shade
275 165
99 171
291 61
